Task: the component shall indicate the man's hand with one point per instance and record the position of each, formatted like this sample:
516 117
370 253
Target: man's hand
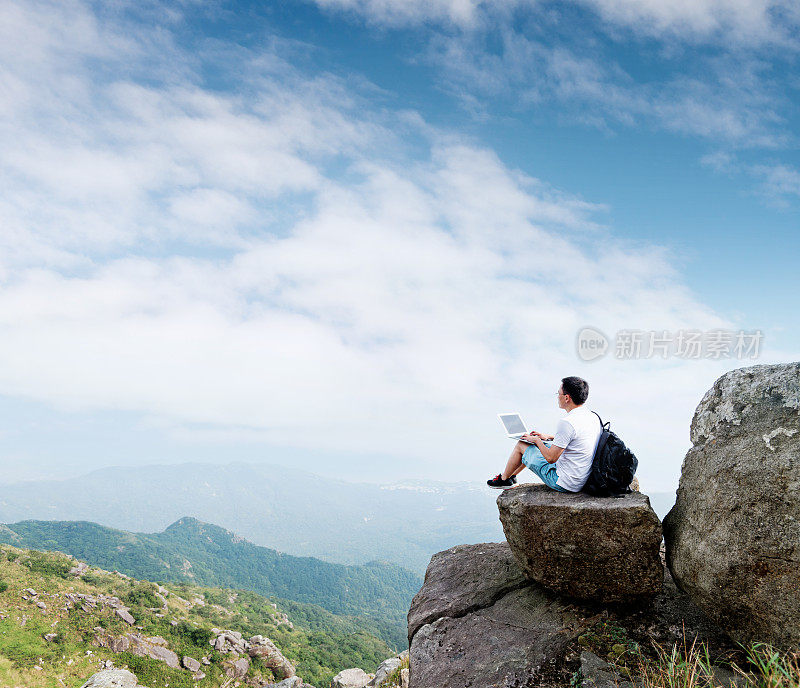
534 433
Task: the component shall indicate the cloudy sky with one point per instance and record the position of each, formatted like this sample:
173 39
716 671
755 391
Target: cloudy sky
344 234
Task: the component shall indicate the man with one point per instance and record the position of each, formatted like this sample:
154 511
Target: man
563 461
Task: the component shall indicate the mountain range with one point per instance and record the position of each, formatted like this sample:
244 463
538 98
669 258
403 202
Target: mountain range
282 508
377 594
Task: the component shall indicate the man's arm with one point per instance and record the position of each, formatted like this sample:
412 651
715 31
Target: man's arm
550 454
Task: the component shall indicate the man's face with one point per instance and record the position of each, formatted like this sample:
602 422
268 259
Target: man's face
561 398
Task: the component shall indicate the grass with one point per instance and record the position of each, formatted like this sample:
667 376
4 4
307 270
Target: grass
27 660
393 679
691 666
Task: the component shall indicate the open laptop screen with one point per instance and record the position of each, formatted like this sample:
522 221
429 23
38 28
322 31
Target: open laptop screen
513 423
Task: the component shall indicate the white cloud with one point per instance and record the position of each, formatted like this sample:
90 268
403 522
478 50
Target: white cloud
744 21
729 100
779 181
404 12
255 260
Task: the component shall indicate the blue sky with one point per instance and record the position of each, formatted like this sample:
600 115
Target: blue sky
344 234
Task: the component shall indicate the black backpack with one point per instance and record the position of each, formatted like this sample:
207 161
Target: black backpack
613 465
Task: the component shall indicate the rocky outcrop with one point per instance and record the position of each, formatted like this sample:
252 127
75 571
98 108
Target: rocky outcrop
112 678
236 666
232 642
478 621
733 536
270 656
589 548
154 647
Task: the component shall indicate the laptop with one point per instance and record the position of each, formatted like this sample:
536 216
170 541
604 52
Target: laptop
514 426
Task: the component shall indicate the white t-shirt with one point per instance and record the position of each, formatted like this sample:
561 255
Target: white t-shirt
577 433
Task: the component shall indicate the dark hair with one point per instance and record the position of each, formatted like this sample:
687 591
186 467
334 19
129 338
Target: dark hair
577 388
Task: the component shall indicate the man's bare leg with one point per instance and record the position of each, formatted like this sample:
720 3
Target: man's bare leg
515 464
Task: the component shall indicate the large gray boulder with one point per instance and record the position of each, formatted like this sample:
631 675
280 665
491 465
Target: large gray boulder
112 678
351 678
477 621
509 643
733 536
462 579
604 549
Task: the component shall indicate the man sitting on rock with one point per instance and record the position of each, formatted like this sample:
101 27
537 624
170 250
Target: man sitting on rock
572 447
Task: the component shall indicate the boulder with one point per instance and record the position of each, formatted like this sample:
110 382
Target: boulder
604 549
229 641
112 678
291 682
236 668
733 536
512 632
125 615
155 648
479 621
509 643
462 579
271 656
386 668
351 678
191 664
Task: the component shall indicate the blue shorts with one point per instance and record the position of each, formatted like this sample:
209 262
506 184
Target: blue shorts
534 460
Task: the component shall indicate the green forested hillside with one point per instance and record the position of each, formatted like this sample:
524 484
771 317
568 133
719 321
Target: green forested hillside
375 595
51 618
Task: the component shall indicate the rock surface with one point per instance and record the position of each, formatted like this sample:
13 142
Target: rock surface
501 630
112 678
597 673
733 536
589 548
462 579
351 678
